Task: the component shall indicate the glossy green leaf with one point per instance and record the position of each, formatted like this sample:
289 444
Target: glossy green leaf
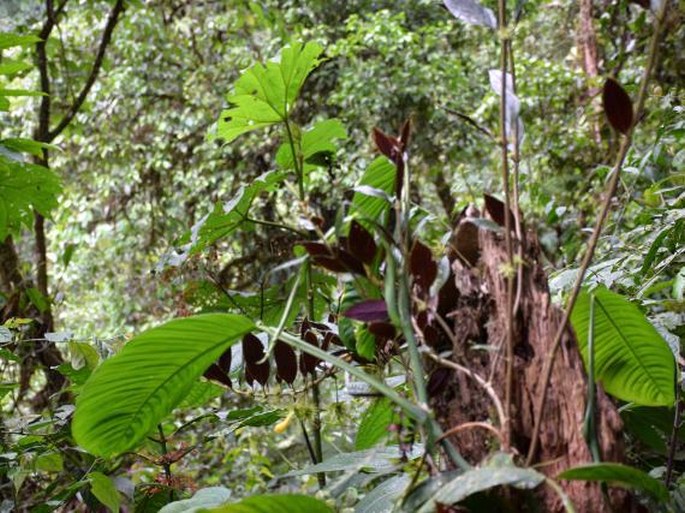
500 471
104 490
29 146
632 361
374 423
49 462
275 504
318 139
265 94
372 460
619 475
133 391
9 66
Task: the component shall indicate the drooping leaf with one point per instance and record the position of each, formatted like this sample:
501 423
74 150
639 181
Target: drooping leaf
619 475
286 362
422 266
383 497
360 243
632 361
253 354
204 498
471 12
495 209
365 343
370 310
265 94
133 391
308 362
216 373
30 146
104 490
617 106
499 472
275 504
318 140
374 424
514 125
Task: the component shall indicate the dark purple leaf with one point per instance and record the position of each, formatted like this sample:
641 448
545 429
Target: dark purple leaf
371 310
308 362
382 331
286 362
405 134
253 352
361 244
466 244
305 326
316 249
495 209
617 106
386 144
422 266
332 338
448 296
431 335
215 373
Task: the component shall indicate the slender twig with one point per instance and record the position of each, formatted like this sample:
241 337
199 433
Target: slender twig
673 440
509 317
470 425
165 464
599 225
275 225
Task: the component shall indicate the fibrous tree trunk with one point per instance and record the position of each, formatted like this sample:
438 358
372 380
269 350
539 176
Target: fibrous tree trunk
479 324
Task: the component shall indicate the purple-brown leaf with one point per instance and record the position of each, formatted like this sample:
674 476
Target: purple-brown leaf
495 209
617 106
382 330
253 352
215 373
370 310
286 362
422 266
360 243
386 144
225 360
308 362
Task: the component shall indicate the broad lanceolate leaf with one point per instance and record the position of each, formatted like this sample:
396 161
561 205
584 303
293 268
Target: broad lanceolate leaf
133 391
374 424
265 94
617 106
275 504
9 39
317 140
471 12
23 188
373 460
369 310
620 475
632 361
481 479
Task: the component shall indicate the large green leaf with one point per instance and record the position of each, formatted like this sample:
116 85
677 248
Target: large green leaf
275 504
372 460
317 140
133 391
382 499
265 94
205 498
632 361
500 471
23 188
103 488
376 186
620 475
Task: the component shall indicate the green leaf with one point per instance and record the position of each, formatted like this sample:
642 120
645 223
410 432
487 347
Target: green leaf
9 66
619 475
49 462
382 499
38 299
379 176
133 391
265 94
318 139
499 472
20 92
374 424
29 146
365 343
205 498
201 393
9 39
23 188
275 504
104 490
632 361
373 460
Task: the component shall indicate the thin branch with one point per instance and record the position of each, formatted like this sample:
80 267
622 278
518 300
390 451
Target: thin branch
539 410
97 64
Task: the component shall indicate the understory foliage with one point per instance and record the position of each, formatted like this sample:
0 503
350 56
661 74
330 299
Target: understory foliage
260 217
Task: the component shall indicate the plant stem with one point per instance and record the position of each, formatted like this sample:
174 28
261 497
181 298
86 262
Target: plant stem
509 317
166 465
673 440
599 225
